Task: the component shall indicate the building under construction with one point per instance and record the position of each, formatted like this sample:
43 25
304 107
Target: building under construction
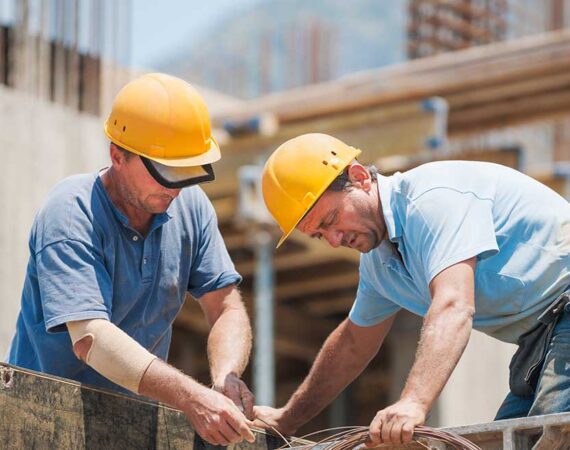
475 89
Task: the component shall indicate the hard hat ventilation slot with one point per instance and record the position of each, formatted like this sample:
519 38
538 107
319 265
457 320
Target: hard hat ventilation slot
125 128
115 122
325 163
333 153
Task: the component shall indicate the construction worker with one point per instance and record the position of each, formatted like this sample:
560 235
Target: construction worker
463 244
114 253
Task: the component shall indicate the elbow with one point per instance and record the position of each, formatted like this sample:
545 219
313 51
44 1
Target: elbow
82 347
456 308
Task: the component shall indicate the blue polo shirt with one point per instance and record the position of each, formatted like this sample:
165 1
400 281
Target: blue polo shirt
442 213
86 262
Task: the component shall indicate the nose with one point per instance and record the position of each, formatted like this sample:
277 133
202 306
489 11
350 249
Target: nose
334 238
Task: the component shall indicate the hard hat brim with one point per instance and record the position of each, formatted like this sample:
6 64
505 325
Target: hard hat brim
212 155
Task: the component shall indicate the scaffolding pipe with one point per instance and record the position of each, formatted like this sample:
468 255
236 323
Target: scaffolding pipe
264 356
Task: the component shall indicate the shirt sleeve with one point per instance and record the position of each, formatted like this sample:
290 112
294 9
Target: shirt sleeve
370 307
74 284
446 226
212 267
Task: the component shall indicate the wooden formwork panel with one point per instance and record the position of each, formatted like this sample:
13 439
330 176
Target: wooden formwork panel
43 412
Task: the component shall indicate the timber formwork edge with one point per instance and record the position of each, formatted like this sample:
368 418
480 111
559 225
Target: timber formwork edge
44 412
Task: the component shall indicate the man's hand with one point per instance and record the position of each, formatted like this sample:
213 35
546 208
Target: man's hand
395 424
235 389
216 419
272 418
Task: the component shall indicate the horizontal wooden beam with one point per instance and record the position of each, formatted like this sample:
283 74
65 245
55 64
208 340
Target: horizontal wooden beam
510 112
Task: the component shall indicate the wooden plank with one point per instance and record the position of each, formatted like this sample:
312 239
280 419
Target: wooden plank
510 112
41 411
515 89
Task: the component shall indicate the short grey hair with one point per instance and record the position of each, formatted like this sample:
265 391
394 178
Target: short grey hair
342 181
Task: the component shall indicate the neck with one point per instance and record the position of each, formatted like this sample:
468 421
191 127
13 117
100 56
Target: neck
138 218
379 213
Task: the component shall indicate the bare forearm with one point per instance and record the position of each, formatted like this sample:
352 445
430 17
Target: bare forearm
213 416
229 343
168 385
443 339
340 361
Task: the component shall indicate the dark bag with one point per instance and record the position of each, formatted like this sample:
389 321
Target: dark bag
526 365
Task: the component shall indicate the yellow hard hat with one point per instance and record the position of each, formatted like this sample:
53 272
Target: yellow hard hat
163 119
298 173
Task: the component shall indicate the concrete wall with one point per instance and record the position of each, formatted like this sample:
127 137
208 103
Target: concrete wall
41 143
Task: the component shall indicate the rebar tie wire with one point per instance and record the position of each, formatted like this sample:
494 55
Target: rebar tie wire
352 437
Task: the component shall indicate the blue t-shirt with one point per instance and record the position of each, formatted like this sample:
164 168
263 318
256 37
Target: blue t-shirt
442 213
86 262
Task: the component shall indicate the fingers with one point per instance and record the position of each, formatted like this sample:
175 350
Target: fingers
235 396
237 391
407 432
238 423
227 431
218 420
390 431
390 428
247 400
375 432
387 427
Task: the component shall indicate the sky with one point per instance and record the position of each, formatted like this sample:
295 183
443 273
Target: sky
162 27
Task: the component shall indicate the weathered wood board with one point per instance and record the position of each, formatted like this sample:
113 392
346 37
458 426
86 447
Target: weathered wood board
43 412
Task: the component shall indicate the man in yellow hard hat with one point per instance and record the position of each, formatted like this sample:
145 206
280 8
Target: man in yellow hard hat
114 253
463 244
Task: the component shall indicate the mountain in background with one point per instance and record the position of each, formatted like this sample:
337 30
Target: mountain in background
280 44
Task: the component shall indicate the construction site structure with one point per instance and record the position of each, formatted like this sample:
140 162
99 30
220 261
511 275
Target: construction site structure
476 104
445 25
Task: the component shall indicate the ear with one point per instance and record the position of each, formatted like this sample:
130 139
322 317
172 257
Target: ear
359 176
117 156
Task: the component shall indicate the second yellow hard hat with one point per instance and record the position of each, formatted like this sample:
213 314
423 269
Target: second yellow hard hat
298 173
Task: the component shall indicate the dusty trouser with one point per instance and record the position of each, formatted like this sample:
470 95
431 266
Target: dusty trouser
552 394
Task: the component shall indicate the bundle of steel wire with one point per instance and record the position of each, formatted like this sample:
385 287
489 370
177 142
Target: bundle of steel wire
352 437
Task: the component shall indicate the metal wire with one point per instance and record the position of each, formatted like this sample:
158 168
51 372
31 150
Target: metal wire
358 436
352 437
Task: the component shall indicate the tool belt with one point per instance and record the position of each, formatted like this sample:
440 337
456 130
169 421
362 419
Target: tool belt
526 365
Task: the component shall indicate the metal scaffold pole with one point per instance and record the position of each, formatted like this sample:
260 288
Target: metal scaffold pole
264 356
253 215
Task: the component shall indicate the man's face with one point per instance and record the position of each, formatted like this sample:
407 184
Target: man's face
140 190
347 218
